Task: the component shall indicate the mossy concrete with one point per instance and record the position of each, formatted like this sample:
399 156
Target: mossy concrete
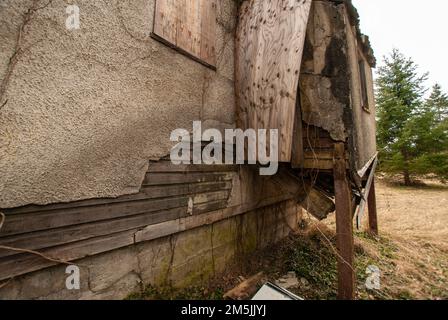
186 259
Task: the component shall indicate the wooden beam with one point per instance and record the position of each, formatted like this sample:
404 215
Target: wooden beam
298 156
373 219
344 226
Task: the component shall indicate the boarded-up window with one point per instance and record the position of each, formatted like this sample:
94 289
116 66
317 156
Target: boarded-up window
363 80
189 26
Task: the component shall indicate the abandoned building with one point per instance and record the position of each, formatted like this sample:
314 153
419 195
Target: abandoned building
85 122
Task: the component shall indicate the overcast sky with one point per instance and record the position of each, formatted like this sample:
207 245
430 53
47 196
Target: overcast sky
419 29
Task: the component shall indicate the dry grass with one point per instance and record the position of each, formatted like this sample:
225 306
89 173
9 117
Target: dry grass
416 220
414 232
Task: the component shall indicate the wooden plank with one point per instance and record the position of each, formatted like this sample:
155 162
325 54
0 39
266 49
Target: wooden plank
54 219
209 207
195 177
318 143
189 26
317 202
165 24
373 217
167 167
208 31
246 289
297 156
146 193
319 154
191 222
269 45
26 263
210 197
54 237
318 164
31 222
344 226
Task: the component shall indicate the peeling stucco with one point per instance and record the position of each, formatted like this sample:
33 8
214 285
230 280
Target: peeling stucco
324 80
86 109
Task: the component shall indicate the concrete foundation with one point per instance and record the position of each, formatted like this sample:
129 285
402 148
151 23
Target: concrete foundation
180 260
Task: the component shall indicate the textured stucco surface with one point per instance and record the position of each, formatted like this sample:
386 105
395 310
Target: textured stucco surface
364 122
86 109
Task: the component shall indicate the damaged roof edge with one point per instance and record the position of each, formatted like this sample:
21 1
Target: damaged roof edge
362 38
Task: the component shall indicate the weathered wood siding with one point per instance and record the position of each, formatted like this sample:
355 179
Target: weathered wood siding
74 230
172 199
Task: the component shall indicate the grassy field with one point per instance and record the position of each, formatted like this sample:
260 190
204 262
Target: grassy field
411 252
415 222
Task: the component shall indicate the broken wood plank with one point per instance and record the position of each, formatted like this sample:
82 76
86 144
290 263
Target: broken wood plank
246 289
317 203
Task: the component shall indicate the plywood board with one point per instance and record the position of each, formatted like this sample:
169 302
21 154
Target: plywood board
188 25
269 47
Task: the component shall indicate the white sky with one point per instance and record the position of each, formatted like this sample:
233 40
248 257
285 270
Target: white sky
419 29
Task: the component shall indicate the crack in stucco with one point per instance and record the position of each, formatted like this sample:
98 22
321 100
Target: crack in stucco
123 24
18 50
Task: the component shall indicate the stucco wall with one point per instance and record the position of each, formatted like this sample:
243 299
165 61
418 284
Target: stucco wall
86 109
364 122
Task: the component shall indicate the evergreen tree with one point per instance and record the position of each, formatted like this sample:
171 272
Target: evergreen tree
412 133
433 135
438 102
400 93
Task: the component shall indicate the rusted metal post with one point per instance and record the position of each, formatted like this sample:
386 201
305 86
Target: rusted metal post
373 219
344 226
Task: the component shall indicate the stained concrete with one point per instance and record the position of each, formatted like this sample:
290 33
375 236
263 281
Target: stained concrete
86 109
189 258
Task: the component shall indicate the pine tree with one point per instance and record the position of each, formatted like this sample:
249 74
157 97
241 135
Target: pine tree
438 101
399 94
433 135
412 132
